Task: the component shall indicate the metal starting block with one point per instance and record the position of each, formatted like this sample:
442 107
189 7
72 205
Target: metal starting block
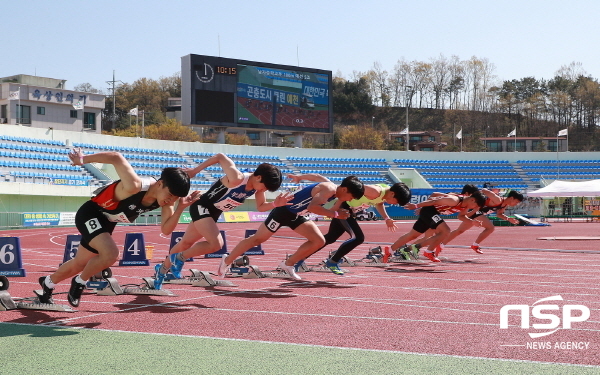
198 278
114 289
7 303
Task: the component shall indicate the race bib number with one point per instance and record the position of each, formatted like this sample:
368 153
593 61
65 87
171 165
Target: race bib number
273 225
227 204
93 225
117 218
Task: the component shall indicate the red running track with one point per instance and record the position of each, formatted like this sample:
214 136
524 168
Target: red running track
449 308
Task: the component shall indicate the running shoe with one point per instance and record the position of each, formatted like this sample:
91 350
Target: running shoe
75 292
176 265
438 250
290 270
46 296
414 252
402 253
333 267
222 266
476 249
431 256
159 277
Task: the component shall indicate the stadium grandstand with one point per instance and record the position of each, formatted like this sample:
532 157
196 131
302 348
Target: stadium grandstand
36 174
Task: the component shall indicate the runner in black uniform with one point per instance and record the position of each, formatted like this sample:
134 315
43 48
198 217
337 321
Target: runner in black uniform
224 195
308 199
121 201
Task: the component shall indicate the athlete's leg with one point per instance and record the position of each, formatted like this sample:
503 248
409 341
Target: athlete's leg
488 226
73 266
108 253
462 228
404 239
357 238
188 247
262 234
314 241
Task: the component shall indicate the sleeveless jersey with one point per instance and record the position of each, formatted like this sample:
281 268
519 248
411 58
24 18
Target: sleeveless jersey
126 210
302 199
224 198
364 202
487 207
449 210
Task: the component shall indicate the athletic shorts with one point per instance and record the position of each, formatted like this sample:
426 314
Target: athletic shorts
429 218
282 217
199 211
90 221
480 212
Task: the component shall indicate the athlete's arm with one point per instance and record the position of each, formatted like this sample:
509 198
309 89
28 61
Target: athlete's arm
380 207
281 200
233 176
321 194
130 181
441 201
500 214
315 177
170 214
493 197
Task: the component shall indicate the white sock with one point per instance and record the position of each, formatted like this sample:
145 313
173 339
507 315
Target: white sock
475 244
48 282
79 280
442 246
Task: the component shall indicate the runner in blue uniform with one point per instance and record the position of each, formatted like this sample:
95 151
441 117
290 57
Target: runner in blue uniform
310 199
120 202
226 194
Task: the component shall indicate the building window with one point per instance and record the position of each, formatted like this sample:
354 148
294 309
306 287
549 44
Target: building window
3 116
518 145
494 146
24 114
552 145
89 121
416 138
432 139
253 136
73 113
427 149
41 110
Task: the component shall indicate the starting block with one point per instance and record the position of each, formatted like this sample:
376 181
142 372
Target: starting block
7 303
198 278
114 289
241 268
376 257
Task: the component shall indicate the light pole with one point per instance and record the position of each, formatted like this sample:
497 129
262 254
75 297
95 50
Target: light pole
372 120
408 96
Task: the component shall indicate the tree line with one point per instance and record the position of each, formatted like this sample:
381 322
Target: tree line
442 94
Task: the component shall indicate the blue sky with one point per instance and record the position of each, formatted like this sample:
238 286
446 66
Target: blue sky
84 41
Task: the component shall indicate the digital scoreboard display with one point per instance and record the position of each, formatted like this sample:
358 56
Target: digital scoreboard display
236 93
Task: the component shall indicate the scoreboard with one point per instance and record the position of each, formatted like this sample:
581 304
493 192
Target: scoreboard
219 91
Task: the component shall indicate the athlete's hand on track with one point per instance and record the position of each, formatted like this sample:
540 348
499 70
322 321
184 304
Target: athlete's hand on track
283 199
76 156
391 226
512 220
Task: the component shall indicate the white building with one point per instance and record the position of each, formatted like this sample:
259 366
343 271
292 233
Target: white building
40 102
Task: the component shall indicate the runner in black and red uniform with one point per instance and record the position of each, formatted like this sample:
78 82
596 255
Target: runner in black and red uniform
120 202
493 203
429 218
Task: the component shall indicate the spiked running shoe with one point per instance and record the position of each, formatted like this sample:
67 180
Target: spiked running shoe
333 267
176 265
438 250
476 249
414 252
75 292
431 256
222 267
159 277
46 296
290 270
403 253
